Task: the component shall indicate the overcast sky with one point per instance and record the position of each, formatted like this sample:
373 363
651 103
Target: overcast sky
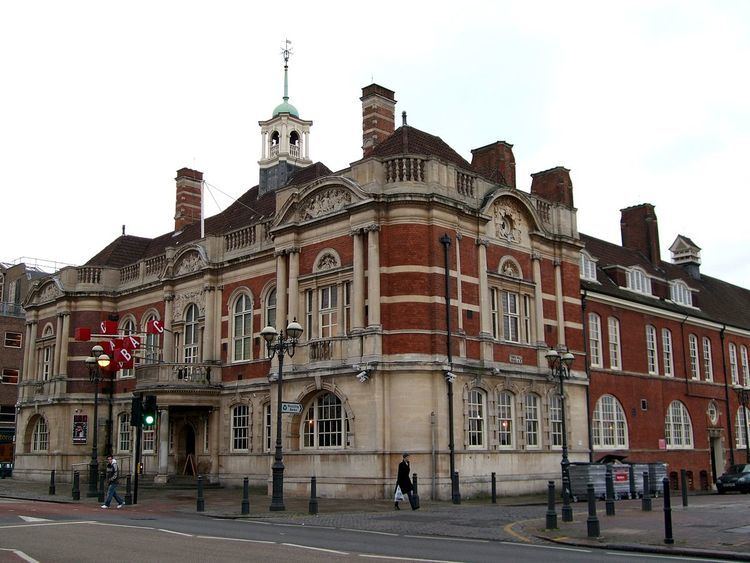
101 103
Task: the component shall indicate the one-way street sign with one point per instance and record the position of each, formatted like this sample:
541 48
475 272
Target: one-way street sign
291 408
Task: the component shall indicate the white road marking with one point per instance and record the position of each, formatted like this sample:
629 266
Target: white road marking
316 548
257 522
34 519
368 532
20 554
35 524
373 556
665 556
175 533
120 525
447 539
547 546
236 539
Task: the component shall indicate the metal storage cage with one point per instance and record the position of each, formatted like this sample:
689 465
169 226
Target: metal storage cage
581 474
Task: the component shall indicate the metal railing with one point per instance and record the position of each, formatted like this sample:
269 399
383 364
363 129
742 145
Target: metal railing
12 310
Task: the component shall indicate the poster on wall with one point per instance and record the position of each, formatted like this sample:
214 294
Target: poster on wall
80 428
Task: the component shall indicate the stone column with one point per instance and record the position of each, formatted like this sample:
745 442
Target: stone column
340 309
65 342
373 276
459 293
32 351
307 147
485 314
559 303
161 476
208 323
358 283
263 142
26 351
536 263
168 340
293 284
282 280
214 421
58 347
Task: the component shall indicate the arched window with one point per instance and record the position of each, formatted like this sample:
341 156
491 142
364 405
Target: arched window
274 140
637 280
595 339
242 331
325 423
123 432
240 428
555 420
531 420
40 437
151 346
587 268
745 367
708 366
610 428
271 309
678 430
733 364
505 420
652 362
476 418
613 325
191 334
127 328
666 349
294 144
680 293
693 346
48 352
742 427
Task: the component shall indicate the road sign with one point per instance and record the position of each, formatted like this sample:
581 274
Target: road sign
291 408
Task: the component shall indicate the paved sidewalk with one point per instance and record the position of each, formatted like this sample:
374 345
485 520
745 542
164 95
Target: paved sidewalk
716 526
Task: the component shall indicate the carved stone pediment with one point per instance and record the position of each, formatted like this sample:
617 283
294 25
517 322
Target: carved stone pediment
188 263
508 221
324 202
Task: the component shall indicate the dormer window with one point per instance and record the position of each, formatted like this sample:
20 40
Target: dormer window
639 281
680 293
587 267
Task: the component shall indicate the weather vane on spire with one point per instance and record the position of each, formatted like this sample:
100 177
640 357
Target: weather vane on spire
286 52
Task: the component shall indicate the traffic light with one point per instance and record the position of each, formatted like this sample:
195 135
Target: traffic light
149 410
136 411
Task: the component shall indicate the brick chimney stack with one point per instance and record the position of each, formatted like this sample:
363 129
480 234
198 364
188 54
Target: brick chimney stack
553 185
496 162
378 116
188 201
640 231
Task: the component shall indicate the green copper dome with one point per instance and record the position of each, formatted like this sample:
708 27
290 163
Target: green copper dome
285 107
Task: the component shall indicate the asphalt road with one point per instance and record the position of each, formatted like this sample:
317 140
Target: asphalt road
45 532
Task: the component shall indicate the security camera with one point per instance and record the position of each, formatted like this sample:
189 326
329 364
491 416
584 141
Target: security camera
363 376
450 377
273 376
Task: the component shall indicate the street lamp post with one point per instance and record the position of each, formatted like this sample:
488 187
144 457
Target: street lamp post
95 362
743 396
560 366
280 347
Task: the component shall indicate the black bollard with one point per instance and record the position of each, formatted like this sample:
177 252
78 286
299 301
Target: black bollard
245 496
494 488
684 485
609 504
646 500
200 505
668 539
631 479
592 522
312 506
52 482
100 491
567 510
414 492
128 491
551 519
455 484
76 486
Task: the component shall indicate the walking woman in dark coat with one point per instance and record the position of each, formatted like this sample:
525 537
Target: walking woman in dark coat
403 479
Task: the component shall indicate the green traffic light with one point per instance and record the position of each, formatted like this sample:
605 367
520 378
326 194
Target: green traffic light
149 419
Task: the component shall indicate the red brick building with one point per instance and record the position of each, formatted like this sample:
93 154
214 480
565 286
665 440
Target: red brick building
667 352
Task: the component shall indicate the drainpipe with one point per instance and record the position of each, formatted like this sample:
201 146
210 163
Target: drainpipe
729 418
587 367
433 428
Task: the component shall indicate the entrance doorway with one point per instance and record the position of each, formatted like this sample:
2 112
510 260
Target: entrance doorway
188 440
717 458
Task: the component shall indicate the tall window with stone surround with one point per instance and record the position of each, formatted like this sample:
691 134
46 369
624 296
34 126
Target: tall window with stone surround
123 432
505 419
666 349
240 428
476 418
190 346
242 328
733 369
555 420
693 351
595 340
531 420
708 365
325 423
613 326
652 361
40 436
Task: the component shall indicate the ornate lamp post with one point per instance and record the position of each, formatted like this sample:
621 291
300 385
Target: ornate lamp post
743 396
560 366
280 347
95 362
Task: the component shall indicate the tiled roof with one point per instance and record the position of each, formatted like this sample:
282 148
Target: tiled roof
408 140
246 210
308 174
718 300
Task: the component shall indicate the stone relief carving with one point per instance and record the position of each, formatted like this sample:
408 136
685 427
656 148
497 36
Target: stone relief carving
190 262
327 262
182 300
508 221
508 268
50 292
324 202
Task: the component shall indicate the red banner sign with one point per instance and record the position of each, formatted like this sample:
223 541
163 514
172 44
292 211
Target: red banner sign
108 327
154 326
